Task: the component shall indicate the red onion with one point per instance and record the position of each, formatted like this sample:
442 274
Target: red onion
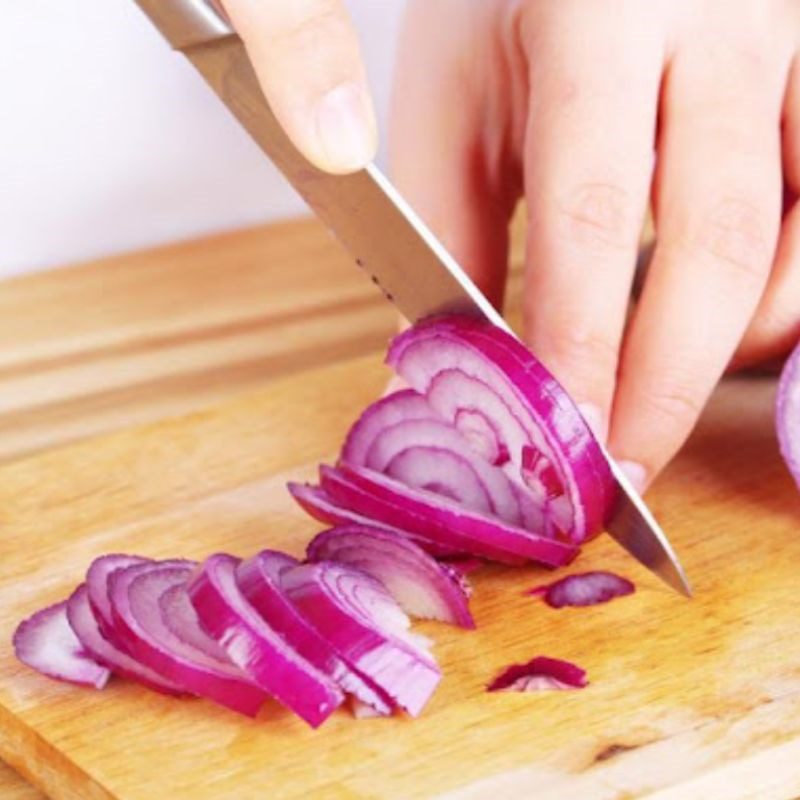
584 589
366 627
787 414
84 623
465 366
539 674
97 586
433 517
139 621
320 505
259 579
422 586
46 642
258 650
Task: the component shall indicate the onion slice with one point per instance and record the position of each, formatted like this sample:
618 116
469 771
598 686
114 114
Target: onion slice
787 414
97 588
369 631
423 587
259 579
539 674
135 594
464 365
584 589
46 642
320 505
439 519
84 623
252 644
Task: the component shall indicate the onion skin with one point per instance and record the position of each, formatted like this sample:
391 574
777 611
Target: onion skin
84 623
423 587
46 643
322 593
259 651
584 589
191 669
433 517
551 414
259 581
787 414
539 674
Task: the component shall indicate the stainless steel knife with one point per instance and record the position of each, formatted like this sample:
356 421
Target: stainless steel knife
377 226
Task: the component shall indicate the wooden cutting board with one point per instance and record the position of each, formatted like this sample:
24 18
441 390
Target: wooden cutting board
695 699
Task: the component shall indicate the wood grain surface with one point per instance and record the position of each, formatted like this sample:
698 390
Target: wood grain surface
688 699
121 341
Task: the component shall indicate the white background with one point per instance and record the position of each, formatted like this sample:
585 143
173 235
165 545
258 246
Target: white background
109 141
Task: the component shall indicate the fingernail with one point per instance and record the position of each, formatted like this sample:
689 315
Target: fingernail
345 127
635 473
595 419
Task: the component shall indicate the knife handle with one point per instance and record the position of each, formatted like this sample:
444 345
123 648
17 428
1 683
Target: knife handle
186 23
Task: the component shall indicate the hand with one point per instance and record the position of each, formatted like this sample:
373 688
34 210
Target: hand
306 55
589 109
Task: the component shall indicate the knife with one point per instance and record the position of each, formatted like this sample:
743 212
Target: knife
405 259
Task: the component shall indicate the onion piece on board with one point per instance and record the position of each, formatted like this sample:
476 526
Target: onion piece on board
84 623
259 579
539 674
135 594
357 615
46 642
422 586
255 647
584 589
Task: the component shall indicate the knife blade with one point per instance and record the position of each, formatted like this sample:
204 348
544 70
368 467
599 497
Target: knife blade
381 231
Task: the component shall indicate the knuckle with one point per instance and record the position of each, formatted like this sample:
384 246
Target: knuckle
600 215
581 353
733 234
311 28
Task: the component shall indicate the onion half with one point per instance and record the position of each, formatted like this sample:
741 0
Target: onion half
465 366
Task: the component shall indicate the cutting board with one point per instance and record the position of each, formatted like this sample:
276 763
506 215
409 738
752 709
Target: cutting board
689 699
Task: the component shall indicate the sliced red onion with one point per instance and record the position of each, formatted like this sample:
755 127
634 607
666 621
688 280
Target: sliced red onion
481 435
97 586
320 505
787 414
463 364
396 407
84 623
255 647
584 589
423 587
439 519
466 476
46 642
356 614
259 579
539 674
135 594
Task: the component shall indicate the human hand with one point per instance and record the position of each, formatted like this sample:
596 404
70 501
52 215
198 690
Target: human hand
573 104
306 56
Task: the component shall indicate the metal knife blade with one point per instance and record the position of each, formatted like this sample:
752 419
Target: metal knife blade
378 227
